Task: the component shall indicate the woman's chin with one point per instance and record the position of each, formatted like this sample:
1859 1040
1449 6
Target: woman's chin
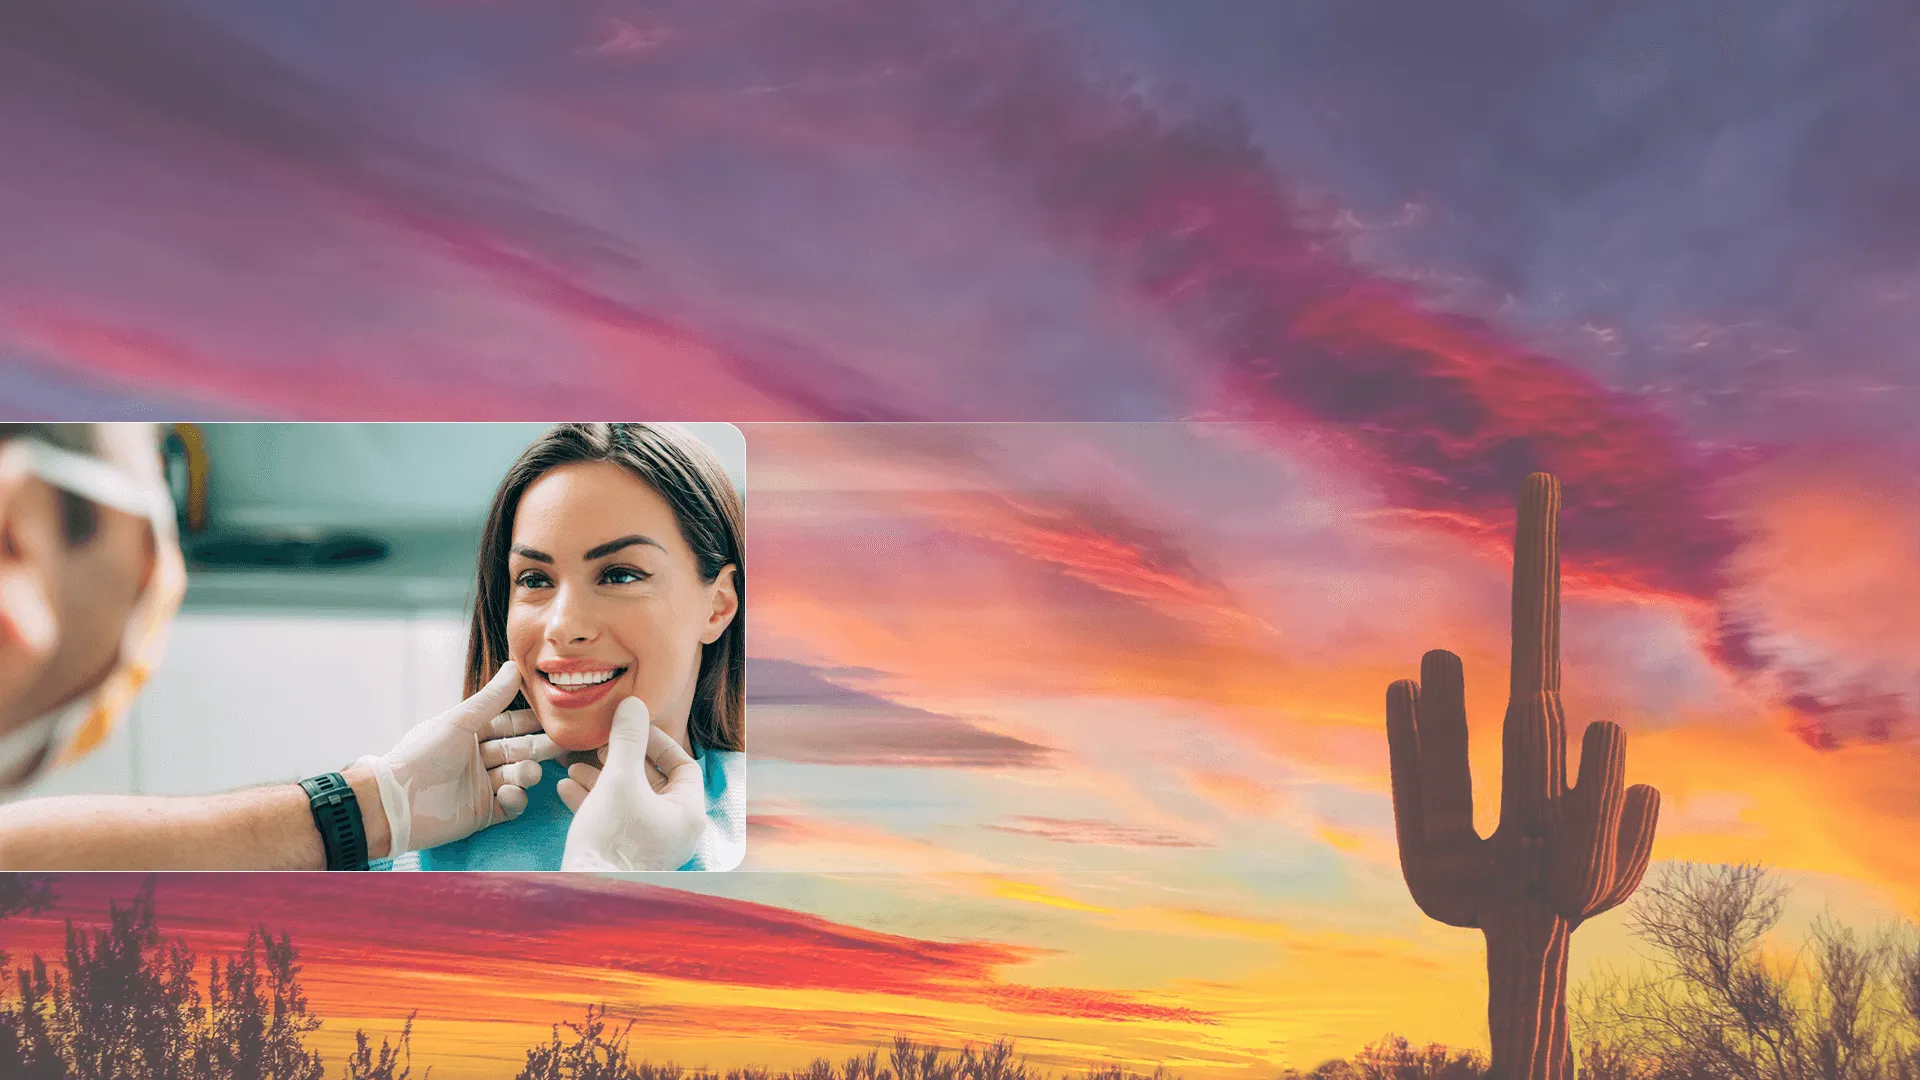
577 733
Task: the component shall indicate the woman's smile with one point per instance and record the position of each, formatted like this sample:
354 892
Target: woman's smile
576 684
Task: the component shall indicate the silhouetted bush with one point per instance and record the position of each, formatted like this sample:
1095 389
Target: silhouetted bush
1395 1058
1712 1003
596 1052
390 1062
1115 1072
24 893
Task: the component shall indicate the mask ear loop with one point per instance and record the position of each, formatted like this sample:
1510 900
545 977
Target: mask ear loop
24 752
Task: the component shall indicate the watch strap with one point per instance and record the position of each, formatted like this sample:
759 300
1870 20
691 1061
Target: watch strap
336 813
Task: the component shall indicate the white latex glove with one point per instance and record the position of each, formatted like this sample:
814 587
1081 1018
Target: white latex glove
643 809
463 770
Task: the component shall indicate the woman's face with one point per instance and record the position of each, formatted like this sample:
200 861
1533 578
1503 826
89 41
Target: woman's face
606 602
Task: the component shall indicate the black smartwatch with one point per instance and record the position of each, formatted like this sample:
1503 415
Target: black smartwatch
336 813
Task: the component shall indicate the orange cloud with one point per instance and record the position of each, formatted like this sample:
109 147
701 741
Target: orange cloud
1762 795
1833 559
1028 892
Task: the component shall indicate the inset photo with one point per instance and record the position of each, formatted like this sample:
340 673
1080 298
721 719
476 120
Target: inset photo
490 646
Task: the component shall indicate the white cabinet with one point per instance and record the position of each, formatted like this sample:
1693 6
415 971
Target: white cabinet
437 664
247 699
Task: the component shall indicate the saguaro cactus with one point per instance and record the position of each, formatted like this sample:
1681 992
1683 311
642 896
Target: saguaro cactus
1560 855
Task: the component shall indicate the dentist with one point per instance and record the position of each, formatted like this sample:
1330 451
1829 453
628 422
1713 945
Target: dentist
91 576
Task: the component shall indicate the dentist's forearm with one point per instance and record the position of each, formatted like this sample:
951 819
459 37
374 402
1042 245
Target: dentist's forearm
263 828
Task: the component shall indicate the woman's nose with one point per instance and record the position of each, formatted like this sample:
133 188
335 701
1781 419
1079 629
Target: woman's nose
570 620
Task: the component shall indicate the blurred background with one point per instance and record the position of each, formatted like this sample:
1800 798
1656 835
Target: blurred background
330 568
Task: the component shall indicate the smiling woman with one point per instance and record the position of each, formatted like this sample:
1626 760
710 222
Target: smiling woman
630 613
611 567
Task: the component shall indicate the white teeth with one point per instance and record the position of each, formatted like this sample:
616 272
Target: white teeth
573 680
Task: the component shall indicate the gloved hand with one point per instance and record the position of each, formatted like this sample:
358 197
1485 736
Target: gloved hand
463 770
643 809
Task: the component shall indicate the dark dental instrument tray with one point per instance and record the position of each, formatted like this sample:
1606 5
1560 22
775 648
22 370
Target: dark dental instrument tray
285 552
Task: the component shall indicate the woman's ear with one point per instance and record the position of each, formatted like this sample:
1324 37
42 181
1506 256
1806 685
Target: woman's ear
726 604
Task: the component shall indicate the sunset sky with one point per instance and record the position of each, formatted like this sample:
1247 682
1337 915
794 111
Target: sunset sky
1064 731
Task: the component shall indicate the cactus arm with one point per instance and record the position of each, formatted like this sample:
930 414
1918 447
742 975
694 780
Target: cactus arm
1586 848
1637 820
1448 790
1409 806
1443 860
1403 759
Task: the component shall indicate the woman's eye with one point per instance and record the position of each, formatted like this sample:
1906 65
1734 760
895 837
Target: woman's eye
621 575
530 579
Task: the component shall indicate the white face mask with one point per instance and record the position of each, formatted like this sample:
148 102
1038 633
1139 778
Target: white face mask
80 727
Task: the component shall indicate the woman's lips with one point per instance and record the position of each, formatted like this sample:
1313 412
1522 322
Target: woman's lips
578 697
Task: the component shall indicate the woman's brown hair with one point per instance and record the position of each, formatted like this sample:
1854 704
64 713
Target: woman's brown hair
686 474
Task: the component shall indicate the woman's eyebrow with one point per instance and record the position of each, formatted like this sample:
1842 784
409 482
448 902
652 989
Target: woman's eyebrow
526 552
612 546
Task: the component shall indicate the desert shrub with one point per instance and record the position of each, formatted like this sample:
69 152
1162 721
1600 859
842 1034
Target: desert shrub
1716 1002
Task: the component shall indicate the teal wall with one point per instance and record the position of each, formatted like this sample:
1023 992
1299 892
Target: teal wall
379 475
